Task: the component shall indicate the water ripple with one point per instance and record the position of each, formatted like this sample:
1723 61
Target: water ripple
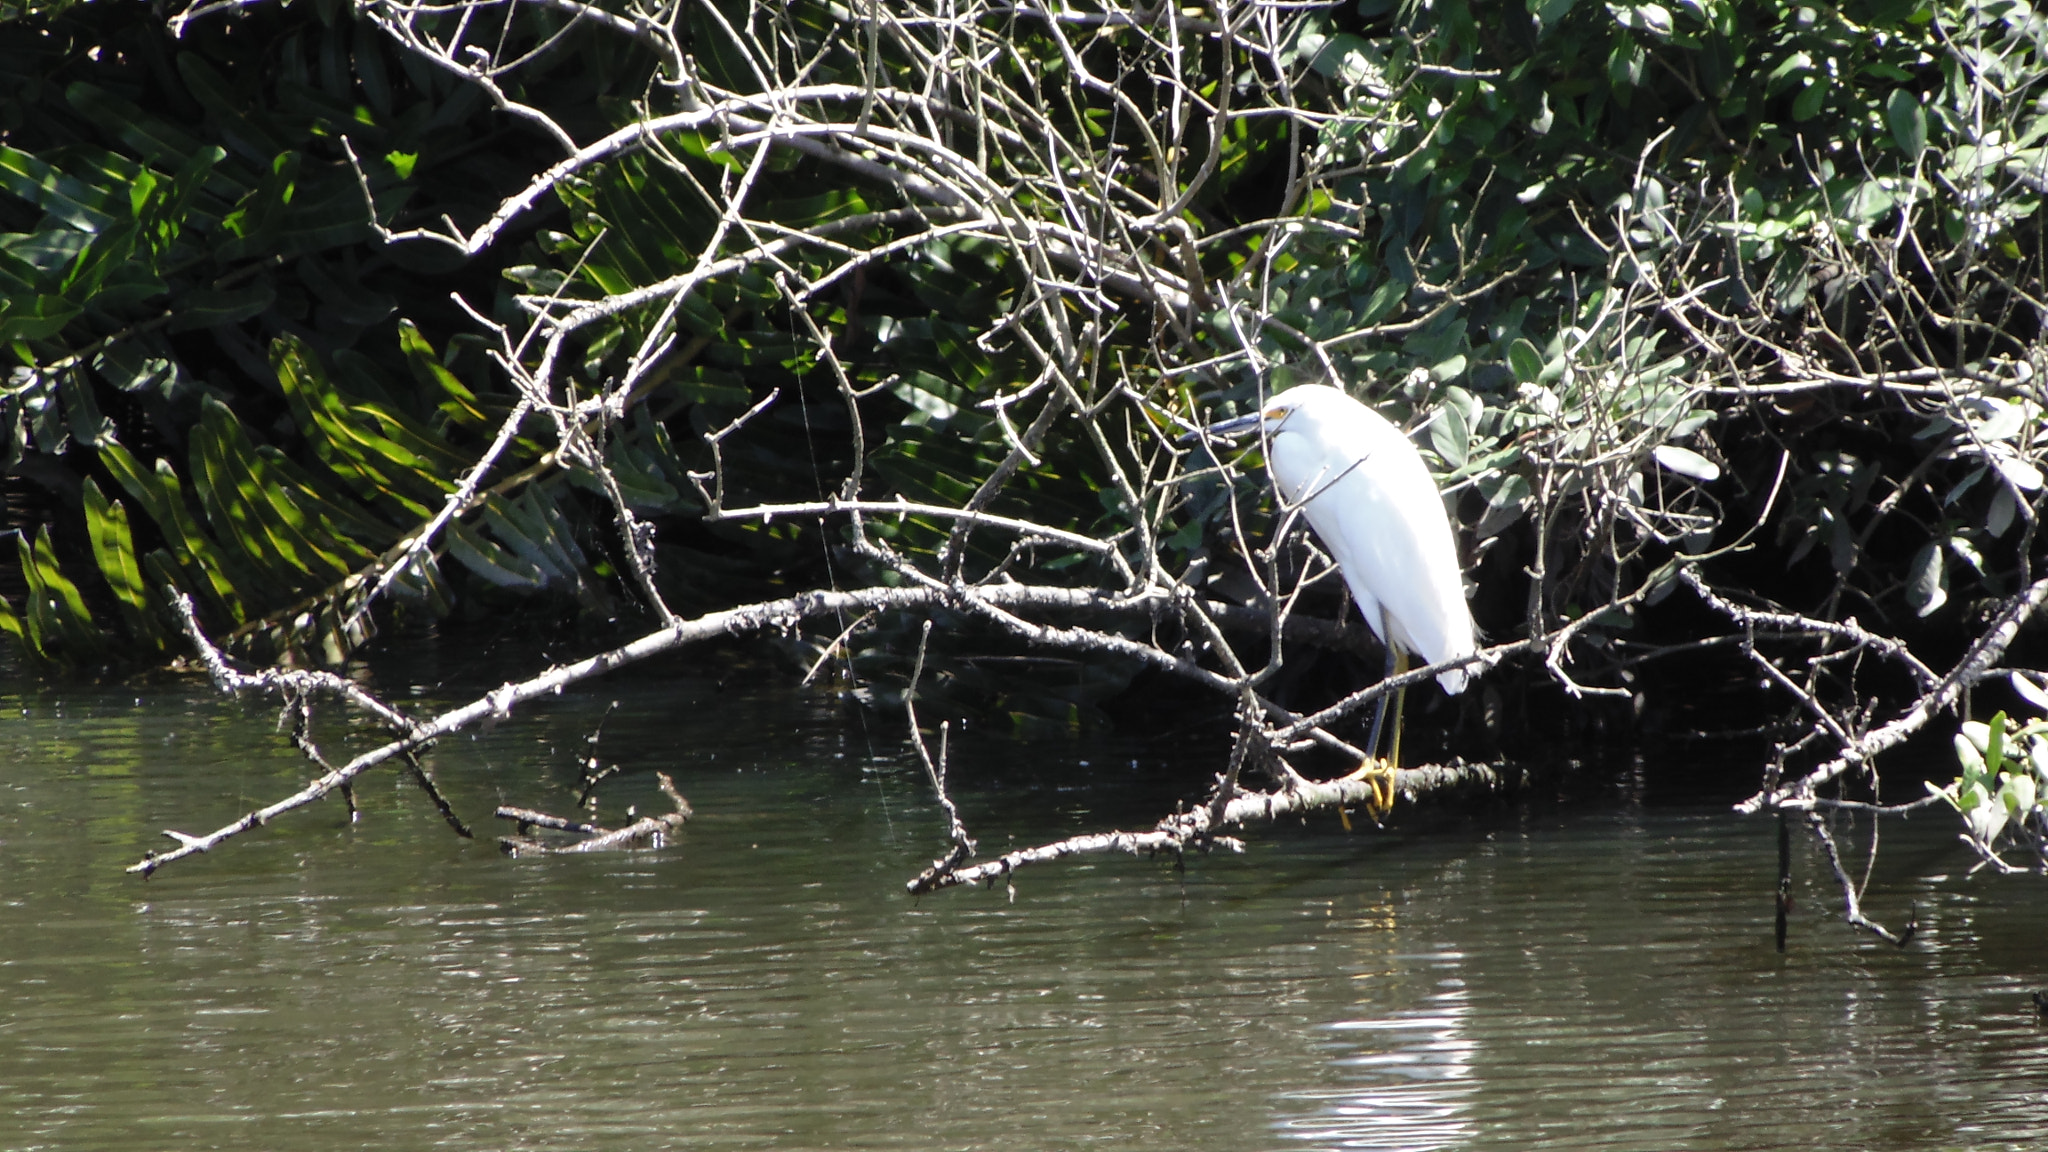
1605 981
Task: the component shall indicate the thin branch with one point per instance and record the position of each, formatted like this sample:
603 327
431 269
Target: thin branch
1199 827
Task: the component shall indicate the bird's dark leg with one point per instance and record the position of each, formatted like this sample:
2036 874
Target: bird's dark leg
1381 772
1379 711
1400 699
1383 777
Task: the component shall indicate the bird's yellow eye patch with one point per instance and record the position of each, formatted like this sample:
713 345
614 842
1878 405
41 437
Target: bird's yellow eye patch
1275 413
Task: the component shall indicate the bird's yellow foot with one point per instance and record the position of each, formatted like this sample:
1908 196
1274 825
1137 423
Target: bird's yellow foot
1380 774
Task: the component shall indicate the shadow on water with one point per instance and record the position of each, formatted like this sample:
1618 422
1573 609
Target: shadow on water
1569 977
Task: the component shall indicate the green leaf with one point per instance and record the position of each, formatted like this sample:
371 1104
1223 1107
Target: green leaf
1999 516
2030 690
140 192
255 510
58 624
258 215
2018 792
80 205
934 399
815 209
1549 13
1526 361
338 513
2002 420
1346 58
1982 818
1382 301
205 572
2017 472
157 140
239 119
1686 462
341 297
367 53
483 556
1450 435
1926 580
130 367
36 317
52 252
1908 122
113 546
1806 105
323 213
1507 495
345 434
207 307
11 624
1969 757
1512 489
535 531
81 411
1653 19
233 520
427 368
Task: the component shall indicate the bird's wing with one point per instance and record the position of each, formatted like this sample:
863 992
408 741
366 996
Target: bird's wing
1383 521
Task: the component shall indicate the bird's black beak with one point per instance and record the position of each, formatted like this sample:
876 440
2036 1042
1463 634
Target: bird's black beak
1235 426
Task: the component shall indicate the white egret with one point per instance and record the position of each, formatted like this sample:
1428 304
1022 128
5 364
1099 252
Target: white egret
1365 490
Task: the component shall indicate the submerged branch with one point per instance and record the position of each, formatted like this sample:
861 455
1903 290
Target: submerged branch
646 832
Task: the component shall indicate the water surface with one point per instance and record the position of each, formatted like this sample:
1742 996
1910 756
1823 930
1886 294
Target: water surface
1567 979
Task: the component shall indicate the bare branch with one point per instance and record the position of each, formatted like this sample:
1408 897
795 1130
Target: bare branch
1198 829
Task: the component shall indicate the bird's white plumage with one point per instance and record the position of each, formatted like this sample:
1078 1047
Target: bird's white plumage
1365 490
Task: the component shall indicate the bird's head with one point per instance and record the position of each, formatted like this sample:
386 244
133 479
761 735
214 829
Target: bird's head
1274 413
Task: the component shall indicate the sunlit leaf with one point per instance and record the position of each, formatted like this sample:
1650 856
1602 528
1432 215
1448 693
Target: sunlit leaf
2017 472
1927 580
2030 690
1450 435
59 625
113 546
1686 462
83 207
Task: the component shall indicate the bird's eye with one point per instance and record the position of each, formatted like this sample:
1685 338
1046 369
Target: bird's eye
1275 413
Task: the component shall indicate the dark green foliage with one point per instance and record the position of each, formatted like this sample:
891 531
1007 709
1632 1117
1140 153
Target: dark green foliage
205 329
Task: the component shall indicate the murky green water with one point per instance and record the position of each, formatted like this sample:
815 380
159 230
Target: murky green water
1569 980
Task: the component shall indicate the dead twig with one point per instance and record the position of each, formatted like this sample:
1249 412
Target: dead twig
645 832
